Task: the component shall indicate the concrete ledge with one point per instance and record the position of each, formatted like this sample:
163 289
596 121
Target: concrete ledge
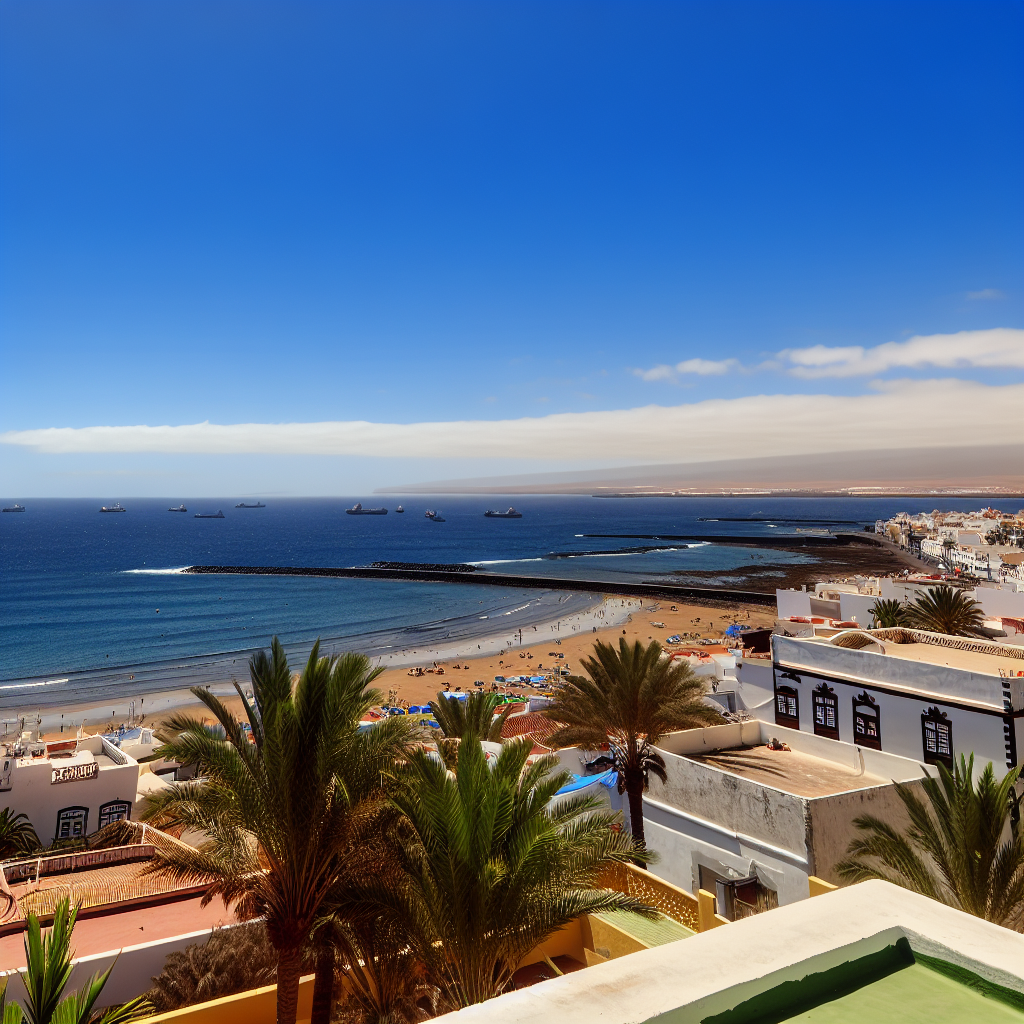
716 970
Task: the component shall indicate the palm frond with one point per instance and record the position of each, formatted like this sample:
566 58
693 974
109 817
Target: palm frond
953 848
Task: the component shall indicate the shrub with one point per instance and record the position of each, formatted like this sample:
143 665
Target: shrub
231 960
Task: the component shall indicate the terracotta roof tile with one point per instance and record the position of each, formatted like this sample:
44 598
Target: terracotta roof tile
532 723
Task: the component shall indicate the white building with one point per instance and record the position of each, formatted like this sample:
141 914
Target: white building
69 789
852 602
918 695
752 824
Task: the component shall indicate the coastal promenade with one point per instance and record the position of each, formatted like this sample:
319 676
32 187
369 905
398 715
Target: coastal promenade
459 574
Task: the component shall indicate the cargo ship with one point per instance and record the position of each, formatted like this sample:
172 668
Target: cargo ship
510 514
118 507
242 504
15 508
210 515
358 510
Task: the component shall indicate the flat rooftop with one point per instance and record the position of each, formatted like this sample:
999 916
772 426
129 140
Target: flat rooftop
64 761
930 653
985 659
791 771
914 995
970 661
129 927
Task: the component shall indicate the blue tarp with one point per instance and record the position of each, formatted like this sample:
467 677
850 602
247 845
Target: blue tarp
583 781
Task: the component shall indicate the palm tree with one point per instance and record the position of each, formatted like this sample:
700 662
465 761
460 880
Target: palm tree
888 613
49 960
231 960
17 836
488 869
384 975
633 697
278 813
954 849
947 610
474 715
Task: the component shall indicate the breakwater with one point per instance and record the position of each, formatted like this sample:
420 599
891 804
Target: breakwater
787 541
663 591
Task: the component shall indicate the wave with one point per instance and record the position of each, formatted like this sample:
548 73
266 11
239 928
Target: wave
25 686
521 608
155 572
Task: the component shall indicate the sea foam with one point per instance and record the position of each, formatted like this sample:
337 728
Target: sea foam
156 572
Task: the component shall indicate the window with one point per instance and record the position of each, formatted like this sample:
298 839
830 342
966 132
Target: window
116 810
72 822
826 711
867 731
938 737
787 707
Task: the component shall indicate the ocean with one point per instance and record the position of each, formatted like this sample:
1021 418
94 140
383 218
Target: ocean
95 603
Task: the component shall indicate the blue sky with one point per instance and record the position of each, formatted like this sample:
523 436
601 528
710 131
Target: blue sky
448 213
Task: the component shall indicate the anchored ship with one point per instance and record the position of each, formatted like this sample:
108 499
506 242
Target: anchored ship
210 515
21 508
399 509
510 514
118 507
436 516
180 508
242 504
358 510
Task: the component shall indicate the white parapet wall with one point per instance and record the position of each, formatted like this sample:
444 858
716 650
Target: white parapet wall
711 973
134 967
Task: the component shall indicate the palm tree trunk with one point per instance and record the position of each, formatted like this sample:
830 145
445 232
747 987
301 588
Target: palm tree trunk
635 795
323 985
289 967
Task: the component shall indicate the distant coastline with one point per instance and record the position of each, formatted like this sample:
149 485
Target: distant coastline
972 471
858 492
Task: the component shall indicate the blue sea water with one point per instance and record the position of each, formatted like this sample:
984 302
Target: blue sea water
96 598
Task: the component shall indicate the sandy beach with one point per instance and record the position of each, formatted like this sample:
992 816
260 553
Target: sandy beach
480 659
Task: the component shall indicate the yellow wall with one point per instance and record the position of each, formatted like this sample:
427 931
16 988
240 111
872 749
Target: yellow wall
256 1007
567 941
601 935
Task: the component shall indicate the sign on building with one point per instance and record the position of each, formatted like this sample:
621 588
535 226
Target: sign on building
75 772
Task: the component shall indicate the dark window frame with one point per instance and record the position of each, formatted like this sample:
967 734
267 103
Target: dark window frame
940 724
85 822
781 716
863 738
105 808
824 697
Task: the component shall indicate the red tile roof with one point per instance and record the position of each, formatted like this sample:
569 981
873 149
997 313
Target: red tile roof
532 723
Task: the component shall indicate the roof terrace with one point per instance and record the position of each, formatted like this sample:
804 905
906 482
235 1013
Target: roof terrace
912 661
791 771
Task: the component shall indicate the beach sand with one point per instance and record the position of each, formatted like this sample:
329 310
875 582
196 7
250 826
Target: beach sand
614 618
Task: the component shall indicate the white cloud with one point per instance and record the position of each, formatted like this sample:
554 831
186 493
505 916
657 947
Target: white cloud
706 367
701 367
1000 347
661 372
912 413
986 295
